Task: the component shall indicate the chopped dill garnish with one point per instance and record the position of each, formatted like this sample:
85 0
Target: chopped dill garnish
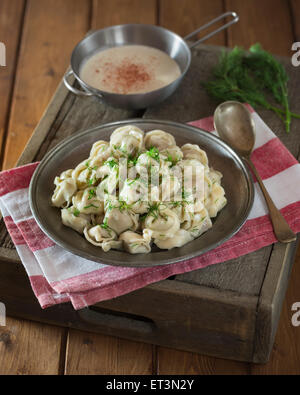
172 160
111 163
76 212
153 152
92 193
90 205
132 160
104 224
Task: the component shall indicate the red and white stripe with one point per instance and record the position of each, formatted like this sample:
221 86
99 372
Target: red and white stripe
58 276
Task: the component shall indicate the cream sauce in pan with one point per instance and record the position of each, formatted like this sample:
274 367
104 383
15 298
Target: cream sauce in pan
129 69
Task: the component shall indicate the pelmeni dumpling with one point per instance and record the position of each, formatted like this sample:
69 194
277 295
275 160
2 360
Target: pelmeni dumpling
135 194
163 223
100 152
75 220
85 175
65 189
216 200
136 243
120 219
159 139
200 223
126 141
180 238
173 154
86 201
96 235
193 151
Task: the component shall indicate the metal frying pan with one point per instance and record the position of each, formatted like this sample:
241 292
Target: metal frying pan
139 34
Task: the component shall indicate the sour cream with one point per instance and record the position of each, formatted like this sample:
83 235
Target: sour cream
129 69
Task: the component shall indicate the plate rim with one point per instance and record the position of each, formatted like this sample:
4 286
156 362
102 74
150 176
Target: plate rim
110 261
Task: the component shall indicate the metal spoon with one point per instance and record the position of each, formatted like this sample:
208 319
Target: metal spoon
234 124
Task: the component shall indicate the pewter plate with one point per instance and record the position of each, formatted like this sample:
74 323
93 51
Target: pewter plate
236 181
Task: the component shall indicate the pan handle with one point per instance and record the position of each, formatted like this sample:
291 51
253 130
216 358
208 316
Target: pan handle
229 13
71 87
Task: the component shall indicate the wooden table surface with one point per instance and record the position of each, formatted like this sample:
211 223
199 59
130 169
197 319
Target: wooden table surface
39 36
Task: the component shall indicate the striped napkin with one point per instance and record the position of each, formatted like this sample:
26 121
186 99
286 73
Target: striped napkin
57 276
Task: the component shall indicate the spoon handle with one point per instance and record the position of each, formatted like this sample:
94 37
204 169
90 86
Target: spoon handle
281 228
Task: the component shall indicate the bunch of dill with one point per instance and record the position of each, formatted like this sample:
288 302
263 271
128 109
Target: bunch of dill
251 77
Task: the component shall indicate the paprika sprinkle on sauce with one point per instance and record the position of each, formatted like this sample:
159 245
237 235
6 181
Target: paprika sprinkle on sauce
129 69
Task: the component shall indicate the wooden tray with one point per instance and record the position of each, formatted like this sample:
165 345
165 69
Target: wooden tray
229 310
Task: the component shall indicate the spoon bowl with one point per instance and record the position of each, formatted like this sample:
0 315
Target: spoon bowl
235 125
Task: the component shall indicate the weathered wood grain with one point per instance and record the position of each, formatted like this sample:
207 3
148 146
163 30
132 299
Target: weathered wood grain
118 12
185 16
29 348
295 18
11 22
267 22
92 353
285 357
44 57
170 361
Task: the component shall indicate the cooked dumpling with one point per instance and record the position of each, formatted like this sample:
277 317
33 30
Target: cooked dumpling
98 234
85 175
199 224
173 154
112 244
169 187
135 194
163 223
136 243
63 192
120 219
180 238
159 139
74 219
193 151
216 200
86 201
126 141
193 175
100 152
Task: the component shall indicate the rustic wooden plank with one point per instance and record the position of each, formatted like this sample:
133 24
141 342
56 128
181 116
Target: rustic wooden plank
207 320
267 22
185 16
118 12
90 353
285 357
30 348
11 20
181 362
43 59
295 15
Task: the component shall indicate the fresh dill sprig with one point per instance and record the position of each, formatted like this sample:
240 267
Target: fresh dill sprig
249 77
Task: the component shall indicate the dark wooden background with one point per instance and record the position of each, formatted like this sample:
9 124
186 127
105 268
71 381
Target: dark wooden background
39 36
